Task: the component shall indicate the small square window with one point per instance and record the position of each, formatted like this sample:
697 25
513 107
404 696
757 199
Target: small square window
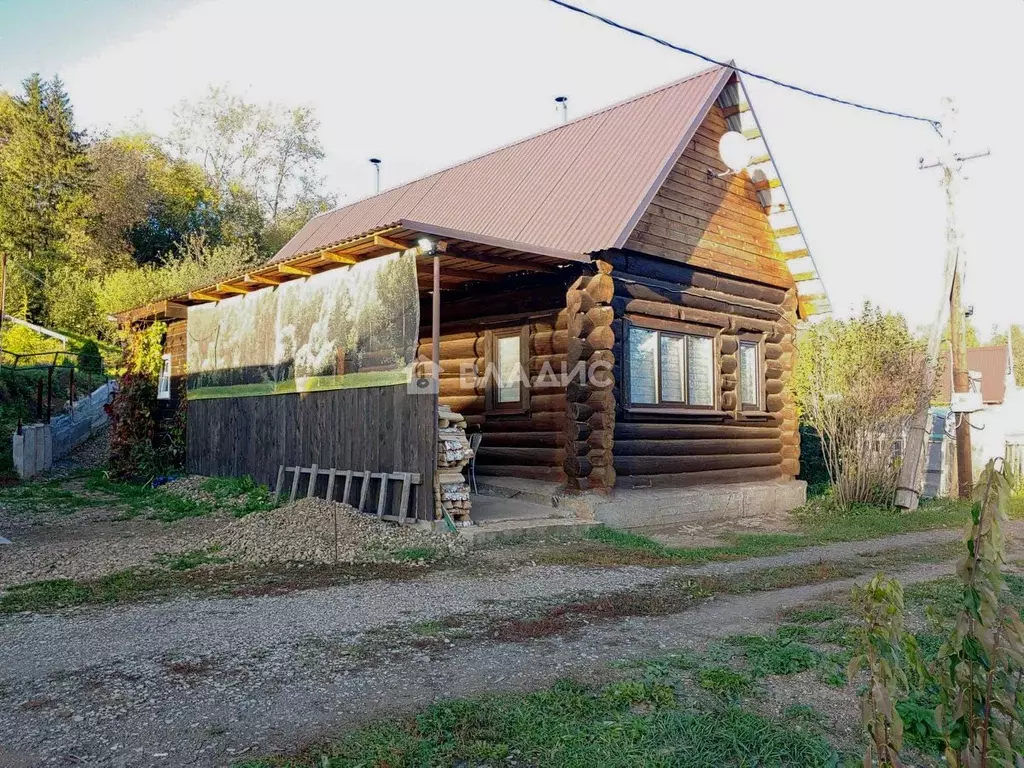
163 387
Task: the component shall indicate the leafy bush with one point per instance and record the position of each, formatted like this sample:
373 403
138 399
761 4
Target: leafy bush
89 358
857 383
133 428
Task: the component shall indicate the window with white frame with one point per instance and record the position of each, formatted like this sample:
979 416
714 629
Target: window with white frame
671 369
751 376
163 387
507 370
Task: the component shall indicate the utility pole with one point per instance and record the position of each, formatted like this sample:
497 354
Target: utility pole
908 489
3 301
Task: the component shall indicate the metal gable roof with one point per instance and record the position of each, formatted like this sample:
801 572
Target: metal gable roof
577 188
572 189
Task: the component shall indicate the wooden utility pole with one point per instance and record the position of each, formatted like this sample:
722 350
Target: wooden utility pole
908 490
961 383
3 300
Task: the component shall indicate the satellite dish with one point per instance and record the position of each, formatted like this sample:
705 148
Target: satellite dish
734 149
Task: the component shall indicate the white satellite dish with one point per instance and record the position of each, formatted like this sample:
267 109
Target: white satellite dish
734 149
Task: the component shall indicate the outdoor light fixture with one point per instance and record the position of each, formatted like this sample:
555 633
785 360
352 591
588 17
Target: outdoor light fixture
426 246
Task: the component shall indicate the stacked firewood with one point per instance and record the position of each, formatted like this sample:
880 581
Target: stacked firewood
451 491
590 408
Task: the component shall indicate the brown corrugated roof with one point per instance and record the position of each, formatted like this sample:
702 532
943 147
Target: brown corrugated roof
991 363
574 189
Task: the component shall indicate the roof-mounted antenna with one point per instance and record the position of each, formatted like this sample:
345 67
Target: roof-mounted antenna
376 167
562 105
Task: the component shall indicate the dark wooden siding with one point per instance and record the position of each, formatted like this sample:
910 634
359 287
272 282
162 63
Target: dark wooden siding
528 444
716 224
378 429
725 444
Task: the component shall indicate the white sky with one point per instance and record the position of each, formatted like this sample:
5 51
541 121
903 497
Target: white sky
427 84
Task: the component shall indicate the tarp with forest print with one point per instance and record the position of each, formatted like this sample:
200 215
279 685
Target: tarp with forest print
352 327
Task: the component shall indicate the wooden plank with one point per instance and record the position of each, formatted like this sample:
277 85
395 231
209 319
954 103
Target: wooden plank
331 476
262 279
348 485
314 474
295 484
229 288
364 491
403 501
382 496
279 485
338 257
387 242
288 269
200 296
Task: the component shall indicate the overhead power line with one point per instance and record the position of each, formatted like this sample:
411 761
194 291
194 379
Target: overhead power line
756 75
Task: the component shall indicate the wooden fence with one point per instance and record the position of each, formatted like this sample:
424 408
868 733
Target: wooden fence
1015 460
379 429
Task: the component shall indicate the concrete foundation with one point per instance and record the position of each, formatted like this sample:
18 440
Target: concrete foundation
633 508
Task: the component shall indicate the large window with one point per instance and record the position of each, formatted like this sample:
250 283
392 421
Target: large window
508 370
751 376
671 369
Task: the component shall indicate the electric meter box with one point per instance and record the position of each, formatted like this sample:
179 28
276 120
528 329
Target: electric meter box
966 402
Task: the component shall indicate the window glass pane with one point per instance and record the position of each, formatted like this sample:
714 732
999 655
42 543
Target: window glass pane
673 351
700 377
642 375
508 369
748 373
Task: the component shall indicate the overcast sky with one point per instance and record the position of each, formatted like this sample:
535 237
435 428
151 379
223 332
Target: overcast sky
423 85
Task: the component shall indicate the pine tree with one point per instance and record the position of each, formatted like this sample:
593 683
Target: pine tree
43 189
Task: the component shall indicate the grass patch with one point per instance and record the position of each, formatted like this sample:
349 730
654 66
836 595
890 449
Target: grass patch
145 500
255 497
816 524
186 561
411 554
624 724
724 682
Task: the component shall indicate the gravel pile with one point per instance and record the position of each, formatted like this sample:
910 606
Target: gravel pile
304 532
191 487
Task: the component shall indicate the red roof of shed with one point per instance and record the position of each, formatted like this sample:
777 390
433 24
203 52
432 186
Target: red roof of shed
571 190
992 363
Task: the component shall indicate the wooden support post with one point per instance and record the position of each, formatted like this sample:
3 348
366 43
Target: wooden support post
295 484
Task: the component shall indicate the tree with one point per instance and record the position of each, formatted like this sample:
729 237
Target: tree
857 383
147 203
263 161
44 190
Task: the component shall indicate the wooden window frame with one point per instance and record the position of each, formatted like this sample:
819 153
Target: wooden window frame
762 382
491 339
676 329
168 364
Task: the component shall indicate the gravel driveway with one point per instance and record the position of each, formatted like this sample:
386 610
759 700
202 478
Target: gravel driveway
204 682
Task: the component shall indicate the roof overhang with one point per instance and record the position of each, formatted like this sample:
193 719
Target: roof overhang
464 258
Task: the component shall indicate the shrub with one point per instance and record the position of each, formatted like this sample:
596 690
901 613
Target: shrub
857 383
133 428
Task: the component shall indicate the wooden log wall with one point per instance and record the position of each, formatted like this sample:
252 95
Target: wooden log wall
727 444
590 409
716 224
529 444
381 429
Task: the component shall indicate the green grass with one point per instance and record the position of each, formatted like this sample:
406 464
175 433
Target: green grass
134 500
410 554
186 561
725 682
816 524
256 497
42 596
629 723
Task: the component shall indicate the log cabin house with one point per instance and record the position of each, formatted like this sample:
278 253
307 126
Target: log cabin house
618 240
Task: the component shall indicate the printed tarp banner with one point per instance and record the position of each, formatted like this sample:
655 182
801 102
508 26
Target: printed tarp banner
352 327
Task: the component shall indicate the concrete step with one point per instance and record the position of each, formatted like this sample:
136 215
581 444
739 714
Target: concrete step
514 530
531 491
